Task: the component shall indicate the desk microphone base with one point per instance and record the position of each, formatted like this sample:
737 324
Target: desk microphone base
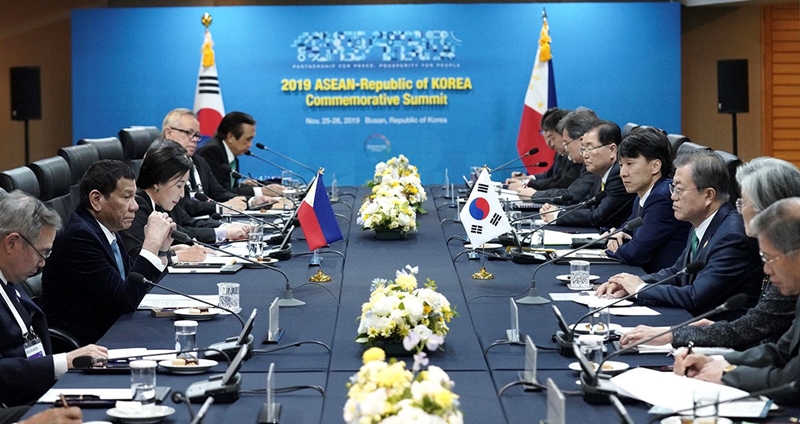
564 345
599 393
533 298
264 417
230 348
213 387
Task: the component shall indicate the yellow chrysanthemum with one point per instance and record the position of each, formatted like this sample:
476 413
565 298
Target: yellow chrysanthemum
373 354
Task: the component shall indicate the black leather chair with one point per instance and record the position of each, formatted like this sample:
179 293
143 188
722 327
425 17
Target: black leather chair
21 178
676 140
630 126
688 147
107 148
135 142
79 158
732 162
54 184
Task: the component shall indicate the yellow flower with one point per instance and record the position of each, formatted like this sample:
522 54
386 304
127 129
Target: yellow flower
373 354
443 398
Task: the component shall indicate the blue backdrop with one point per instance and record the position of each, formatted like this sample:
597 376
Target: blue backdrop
131 66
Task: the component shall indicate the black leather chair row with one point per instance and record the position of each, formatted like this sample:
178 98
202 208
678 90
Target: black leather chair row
135 142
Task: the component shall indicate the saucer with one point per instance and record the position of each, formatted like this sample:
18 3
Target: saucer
187 313
149 414
610 367
583 328
203 366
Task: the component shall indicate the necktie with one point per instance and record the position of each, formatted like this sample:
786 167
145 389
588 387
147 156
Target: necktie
602 186
233 167
695 244
118 258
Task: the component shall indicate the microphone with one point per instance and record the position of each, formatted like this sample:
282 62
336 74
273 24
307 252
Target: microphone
788 387
139 279
263 147
203 198
533 151
288 297
235 174
692 268
203 410
179 397
597 391
282 168
533 297
624 417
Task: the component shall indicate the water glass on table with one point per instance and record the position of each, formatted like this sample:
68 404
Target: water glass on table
143 381
186 337
579 275
229 296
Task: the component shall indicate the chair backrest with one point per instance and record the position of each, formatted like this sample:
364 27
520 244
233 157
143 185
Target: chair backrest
79 158
21 178
107 148
630 126
732 162
54 184
135 142
676 141
688 147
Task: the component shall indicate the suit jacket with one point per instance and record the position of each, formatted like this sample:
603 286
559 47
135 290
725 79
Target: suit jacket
768 365
658 243
732 265
208 185
580 189
612 210
552 171
564 173
23 380
214 153
82 290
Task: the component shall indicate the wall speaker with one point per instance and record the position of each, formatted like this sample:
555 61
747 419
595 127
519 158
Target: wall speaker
732 86
26 93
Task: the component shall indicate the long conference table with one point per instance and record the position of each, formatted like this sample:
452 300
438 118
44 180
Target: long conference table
330 317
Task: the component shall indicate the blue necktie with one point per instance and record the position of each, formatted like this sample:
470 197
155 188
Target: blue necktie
118 258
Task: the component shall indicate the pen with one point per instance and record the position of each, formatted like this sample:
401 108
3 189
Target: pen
63 400
688 352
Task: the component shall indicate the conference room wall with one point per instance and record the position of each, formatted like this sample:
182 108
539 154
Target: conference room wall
132 65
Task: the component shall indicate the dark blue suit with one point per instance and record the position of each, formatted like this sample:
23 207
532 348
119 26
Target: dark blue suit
658 243
732 266
82 290
23 380
609 213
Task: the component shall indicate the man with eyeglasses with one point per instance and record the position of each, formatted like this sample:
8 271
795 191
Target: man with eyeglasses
700 197
767 365
599 149
572 127
86 285
181 126
27 366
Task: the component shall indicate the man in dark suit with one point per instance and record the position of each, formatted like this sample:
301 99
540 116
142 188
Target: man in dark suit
234 137
86 284
71 415
700 197
27 366
599 149
767 365
645 169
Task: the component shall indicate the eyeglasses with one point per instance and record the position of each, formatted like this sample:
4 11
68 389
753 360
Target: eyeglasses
766 261
740 205
196 136
44 255
590 149
678 191
568 142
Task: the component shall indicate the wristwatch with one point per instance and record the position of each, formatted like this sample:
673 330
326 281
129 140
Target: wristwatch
728 369
168 254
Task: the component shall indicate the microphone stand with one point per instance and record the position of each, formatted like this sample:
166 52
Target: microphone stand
288 299
198 419
249 153
265 148
533 297
203 198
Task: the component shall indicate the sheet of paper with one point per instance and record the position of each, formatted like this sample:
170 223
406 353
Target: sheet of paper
590 297
108 394
671 391
584 254
557 238
561 297
634 311
133 352
153 301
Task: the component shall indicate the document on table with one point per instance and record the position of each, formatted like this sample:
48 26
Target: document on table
155 301
670 392
138 352
634 311
106 394
560 297
557 238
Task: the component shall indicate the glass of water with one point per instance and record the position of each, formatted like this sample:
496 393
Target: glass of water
143 381
186 337
255 240
579 275
229 296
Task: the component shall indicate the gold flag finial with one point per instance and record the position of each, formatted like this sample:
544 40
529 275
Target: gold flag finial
321 171
206 20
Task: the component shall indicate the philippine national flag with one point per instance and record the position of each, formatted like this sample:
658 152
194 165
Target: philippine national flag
540 96
316 217
483 217
208 96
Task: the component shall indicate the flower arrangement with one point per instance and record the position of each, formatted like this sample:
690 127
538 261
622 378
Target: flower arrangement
400 311
387 209
388 393
398 172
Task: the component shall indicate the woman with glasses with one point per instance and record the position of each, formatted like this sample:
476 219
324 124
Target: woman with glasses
763 181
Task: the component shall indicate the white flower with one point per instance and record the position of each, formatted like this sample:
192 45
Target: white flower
423 332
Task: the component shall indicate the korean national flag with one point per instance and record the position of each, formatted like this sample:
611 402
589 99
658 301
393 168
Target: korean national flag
482 216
